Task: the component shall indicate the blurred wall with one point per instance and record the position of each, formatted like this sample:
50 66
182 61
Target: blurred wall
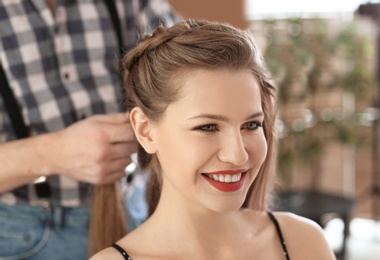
220 10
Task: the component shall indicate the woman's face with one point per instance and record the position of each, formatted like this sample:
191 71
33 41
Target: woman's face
210 142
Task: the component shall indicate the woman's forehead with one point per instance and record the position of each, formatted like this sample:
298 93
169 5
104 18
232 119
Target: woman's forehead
212 91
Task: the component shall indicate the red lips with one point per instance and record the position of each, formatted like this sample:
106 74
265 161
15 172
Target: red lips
227 186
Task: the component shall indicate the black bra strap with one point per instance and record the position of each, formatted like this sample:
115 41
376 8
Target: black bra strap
278 229
121 250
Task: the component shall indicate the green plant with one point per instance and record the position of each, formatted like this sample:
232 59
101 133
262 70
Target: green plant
312 60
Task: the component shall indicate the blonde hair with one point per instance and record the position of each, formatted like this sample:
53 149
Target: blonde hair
155 69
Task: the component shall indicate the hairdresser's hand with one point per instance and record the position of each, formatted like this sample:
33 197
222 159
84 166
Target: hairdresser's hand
96 149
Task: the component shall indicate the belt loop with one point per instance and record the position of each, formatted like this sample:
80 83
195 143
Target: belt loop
57 217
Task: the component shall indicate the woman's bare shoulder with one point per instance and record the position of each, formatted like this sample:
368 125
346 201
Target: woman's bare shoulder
107 253
304 238
297 223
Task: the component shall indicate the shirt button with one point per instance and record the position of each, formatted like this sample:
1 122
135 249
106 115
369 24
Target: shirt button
66 75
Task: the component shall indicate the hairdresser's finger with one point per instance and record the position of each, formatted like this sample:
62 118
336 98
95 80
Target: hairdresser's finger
115 118
118 164
113 177
120 132
123 150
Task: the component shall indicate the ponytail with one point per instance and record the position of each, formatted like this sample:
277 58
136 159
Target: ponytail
108 222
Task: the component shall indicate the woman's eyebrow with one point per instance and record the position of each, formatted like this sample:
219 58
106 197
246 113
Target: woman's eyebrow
258 114
223 118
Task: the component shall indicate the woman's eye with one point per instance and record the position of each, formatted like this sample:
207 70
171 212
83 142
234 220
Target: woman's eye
207 128
252 125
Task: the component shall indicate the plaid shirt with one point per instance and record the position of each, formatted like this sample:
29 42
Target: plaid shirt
63 68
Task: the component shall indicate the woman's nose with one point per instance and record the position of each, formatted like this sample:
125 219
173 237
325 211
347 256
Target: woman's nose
233 150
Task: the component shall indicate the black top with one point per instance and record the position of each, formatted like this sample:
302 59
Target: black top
272 217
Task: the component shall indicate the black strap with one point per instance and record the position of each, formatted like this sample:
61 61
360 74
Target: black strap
117 28
121 250
43 189
116 23
278 229
12 107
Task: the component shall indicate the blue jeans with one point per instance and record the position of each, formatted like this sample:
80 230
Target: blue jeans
35 232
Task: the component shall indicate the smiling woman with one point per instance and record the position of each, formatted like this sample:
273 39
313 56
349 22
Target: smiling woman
212 129
202 108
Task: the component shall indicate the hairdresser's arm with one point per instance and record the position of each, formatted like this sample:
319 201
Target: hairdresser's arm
95 150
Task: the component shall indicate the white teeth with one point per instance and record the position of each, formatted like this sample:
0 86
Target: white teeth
225 178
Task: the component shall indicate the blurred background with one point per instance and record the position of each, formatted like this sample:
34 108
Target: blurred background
324 58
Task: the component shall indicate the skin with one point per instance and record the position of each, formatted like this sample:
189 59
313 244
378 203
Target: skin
194 220
94 150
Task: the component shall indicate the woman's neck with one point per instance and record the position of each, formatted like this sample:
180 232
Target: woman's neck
183 218
180 227
203 235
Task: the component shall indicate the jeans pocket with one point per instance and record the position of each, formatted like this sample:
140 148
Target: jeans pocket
21 235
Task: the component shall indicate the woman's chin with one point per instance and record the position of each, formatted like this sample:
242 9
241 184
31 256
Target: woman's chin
226 205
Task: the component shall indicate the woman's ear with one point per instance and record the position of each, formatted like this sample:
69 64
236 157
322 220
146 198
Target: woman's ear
142 127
